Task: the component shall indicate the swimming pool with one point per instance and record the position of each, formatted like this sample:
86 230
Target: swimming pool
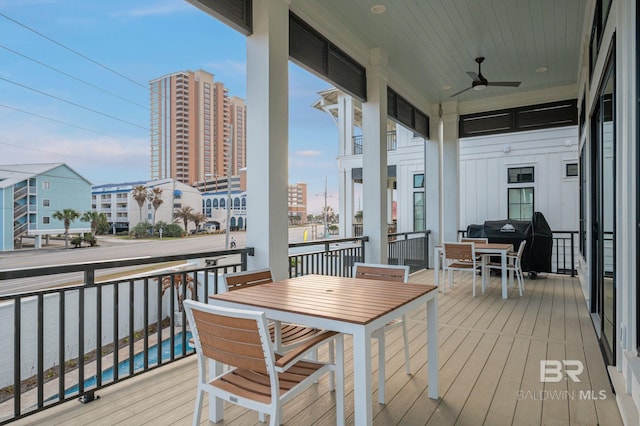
138 363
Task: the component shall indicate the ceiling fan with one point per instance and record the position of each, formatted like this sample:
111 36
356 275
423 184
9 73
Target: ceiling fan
481 83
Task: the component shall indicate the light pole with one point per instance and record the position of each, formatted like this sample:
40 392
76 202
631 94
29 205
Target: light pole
324 220
230 154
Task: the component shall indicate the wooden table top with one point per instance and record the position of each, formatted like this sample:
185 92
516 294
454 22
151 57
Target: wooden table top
358 301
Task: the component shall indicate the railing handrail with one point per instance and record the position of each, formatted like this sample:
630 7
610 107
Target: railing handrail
6 274
329 241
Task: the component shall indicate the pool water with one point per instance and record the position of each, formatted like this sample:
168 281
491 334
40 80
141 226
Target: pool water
138 362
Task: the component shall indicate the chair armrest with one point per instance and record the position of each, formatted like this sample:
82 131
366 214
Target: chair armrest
294 355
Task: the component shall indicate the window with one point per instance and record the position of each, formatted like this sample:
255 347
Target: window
571 169
520 175
46 202
418 180
46 185
520 203
418 211
46 220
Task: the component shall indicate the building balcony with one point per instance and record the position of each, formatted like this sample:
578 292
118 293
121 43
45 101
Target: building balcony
489 358
392 142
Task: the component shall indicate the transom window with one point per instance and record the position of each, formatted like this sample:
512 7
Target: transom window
520 175
571 169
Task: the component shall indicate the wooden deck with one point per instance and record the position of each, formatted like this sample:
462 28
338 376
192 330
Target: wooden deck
490 353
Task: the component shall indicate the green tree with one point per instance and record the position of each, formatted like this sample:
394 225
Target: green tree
140 194
185 214
66 216
155 196
94 218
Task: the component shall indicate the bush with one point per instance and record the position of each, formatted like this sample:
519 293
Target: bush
76 241
91 240
141 230
173 230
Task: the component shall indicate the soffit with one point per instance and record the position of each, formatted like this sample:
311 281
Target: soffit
433 43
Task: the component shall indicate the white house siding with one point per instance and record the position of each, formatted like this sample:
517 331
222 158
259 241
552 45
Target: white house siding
483 175
409 160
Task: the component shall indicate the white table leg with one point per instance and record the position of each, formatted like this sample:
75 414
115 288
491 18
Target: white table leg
339 385
363 411
432 349
436 267
503 262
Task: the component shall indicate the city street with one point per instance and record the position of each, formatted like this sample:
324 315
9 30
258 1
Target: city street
111 248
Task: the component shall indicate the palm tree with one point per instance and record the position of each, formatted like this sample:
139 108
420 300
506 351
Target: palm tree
177 284
156 201
198 218
67 216
185 214
140 194
94 218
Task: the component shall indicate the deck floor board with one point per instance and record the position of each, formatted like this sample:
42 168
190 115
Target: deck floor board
489 362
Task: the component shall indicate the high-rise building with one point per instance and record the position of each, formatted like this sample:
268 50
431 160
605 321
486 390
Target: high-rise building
191 128
297 201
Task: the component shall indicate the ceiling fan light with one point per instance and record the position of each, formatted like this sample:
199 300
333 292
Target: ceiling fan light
479 87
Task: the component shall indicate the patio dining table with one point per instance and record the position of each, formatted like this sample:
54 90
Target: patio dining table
498 249
347 305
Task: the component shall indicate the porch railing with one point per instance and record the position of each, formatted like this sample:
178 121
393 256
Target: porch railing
409 248
392 142
87 333
326 257
68 342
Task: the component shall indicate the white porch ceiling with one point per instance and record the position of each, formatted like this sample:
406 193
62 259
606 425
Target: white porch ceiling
431 44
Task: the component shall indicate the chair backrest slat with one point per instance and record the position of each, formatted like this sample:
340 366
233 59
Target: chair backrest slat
459 251
247 279
474 240
232 341
381 272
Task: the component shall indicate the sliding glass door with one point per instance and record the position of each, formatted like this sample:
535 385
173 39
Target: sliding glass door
603 189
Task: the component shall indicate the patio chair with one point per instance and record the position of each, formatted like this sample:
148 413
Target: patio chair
514 264
291 335
260 379
397 273
459 257
474 240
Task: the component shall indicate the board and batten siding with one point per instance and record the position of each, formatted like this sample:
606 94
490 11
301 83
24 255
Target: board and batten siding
484 162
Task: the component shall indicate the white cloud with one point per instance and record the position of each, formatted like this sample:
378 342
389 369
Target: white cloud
307 153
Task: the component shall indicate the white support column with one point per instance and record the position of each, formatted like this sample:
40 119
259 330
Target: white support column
374 158
345 184
267 135
432 186
450 175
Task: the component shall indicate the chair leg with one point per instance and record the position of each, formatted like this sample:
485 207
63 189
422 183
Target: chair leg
407 366
474 283
381 359
198 409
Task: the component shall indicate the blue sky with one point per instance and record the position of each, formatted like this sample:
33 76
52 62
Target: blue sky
92 112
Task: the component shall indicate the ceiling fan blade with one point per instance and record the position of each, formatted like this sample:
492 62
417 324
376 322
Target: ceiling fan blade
504 83
473 75
463 90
